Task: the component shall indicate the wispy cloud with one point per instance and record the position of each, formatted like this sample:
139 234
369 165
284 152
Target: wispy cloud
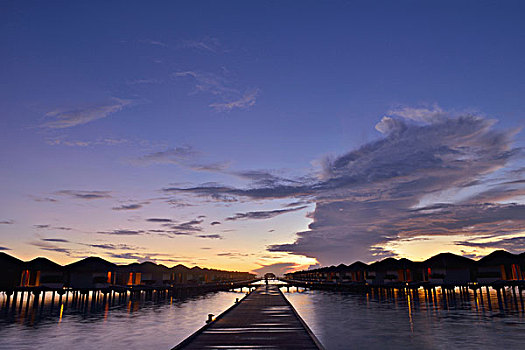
154 43
247 100
159 220
206 44
178 155
189 226
131 206
4 248
210 236
512 244
47 226
51 246
215 223
419 114
45 199
122 232
111 246
219 86
66 118
76 143
59 240
88 195
264 214
7 222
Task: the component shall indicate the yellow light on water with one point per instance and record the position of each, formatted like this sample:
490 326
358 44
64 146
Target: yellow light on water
61 312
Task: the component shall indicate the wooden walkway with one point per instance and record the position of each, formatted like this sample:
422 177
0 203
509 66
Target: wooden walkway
263 320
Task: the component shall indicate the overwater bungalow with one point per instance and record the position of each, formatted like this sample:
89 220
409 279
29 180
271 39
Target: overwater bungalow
10 271
92 272
195 275
499 265
377 271
42 272
144 274
448 268
356 272
390 270
179 274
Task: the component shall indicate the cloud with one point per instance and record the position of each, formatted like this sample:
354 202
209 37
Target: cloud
154 43
4 248
178 155
60 240
104 142
45 199
66 118
46 226
247 100
430 174
514 244
420 114
211 236
7 222
233 255
212 167
133 256
279 269
41 226
51 246
207 44
159 220
188 226
263 214
110 246
133 206
89 195
122 232
221 88
215 223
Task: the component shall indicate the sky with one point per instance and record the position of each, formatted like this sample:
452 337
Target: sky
262 135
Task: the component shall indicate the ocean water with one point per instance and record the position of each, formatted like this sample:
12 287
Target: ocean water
357 321
339 320
133 325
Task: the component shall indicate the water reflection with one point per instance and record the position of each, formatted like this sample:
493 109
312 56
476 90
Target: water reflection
393 319
94 322
413 319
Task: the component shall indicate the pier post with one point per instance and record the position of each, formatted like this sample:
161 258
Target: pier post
500 303
22 301
504 296
515 296
53 299
488 298
15 296
35 298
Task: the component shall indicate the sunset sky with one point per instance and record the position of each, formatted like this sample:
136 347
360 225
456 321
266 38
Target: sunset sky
264 135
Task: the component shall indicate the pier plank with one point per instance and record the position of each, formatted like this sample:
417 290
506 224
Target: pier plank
262 320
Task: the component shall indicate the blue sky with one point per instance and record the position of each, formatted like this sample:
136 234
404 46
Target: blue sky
108 104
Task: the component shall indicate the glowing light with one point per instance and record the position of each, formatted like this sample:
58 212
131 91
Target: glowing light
61 313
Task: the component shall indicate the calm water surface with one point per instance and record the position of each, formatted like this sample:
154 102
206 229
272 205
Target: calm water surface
339 320
129 326
350 321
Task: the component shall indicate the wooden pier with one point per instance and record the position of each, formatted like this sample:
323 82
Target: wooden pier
264 319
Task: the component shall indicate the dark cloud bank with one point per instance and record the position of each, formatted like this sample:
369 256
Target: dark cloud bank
402 186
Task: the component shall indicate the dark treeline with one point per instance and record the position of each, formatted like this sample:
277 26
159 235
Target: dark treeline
444 268
97 273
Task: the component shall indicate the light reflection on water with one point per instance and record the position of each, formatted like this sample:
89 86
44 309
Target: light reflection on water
339 320
401 321
133 325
